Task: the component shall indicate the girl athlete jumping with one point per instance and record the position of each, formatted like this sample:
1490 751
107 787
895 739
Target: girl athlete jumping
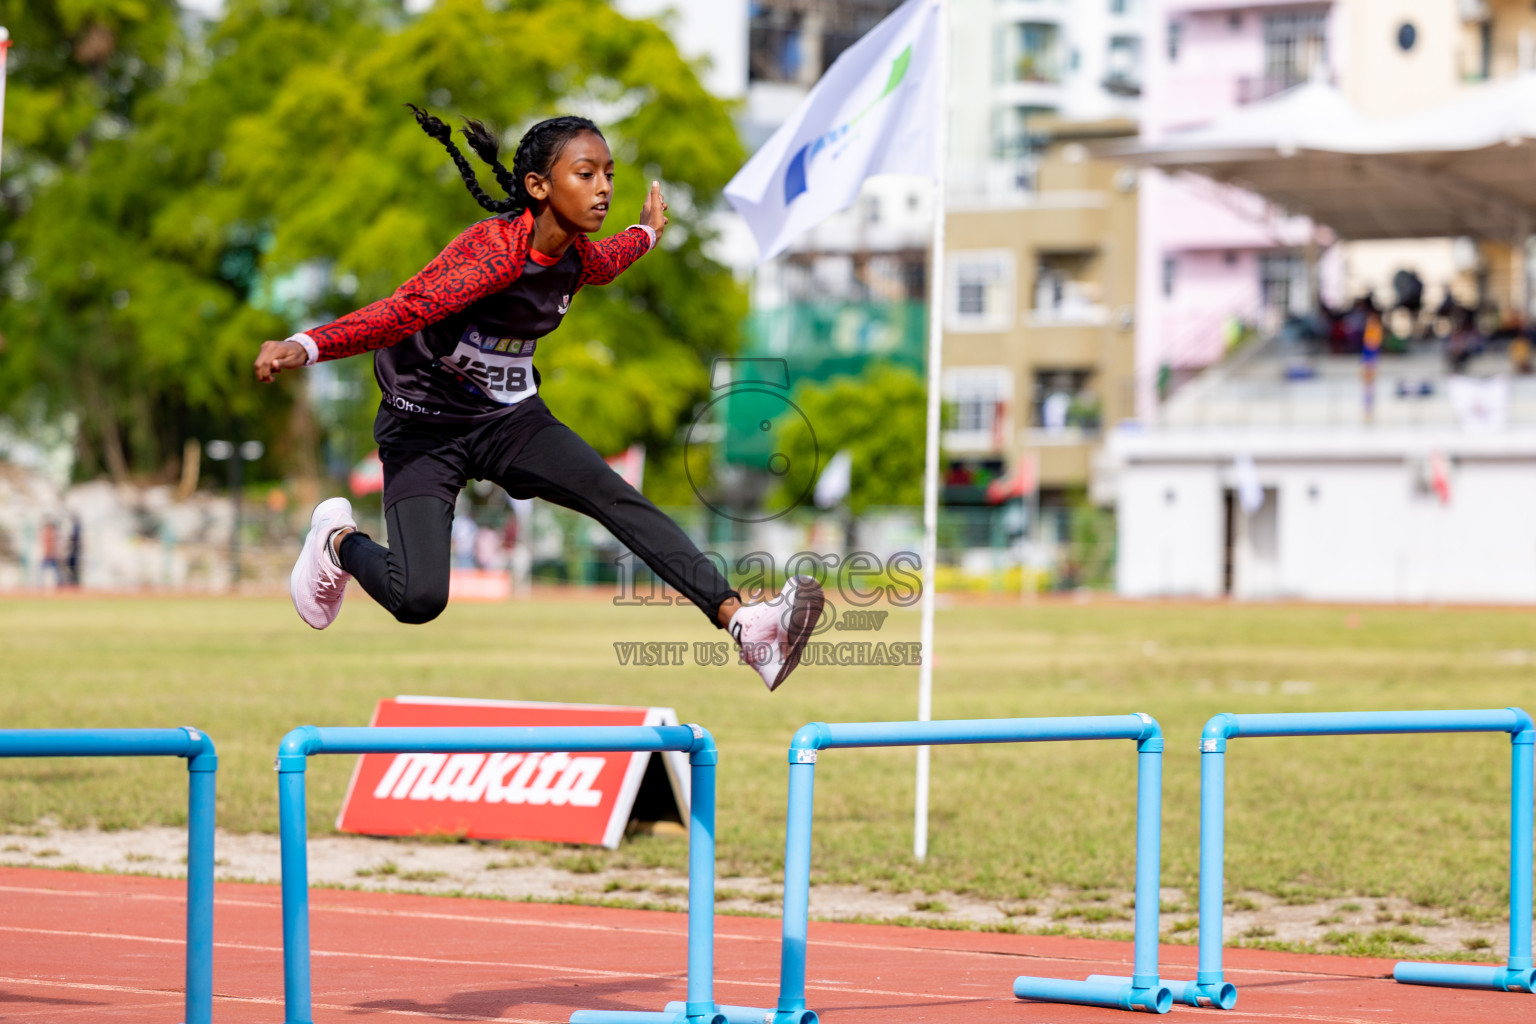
454 349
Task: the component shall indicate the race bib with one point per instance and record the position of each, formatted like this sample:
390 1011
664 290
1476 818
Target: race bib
499 368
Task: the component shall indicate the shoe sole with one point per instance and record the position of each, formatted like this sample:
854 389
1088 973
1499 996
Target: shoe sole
804 613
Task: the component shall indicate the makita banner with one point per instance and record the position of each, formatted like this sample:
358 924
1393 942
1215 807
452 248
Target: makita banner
553 797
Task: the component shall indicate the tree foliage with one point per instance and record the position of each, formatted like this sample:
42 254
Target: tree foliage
276 180
879 418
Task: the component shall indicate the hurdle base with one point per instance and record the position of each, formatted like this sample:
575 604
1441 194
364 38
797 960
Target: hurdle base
1221 995
1497 979
755 1014
1113 993
668 1016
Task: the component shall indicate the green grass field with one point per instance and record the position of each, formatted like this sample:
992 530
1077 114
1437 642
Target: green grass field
1423 818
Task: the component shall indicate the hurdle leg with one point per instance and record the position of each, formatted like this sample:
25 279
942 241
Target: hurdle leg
201 809
1522 798
293 832
1517 975
1141 991
797 894
701 885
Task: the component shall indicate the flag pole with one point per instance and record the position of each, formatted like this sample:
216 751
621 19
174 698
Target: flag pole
5 45
931 468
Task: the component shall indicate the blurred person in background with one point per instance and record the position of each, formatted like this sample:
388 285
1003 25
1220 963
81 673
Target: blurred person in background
1372 338
72 554
48 569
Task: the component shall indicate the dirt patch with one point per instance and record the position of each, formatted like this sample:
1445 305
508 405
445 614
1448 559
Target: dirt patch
473 869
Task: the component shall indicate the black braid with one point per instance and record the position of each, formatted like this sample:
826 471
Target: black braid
485 144
442 133
536 153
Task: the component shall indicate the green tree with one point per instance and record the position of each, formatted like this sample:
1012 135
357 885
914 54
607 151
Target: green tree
278 181
879 418
74 74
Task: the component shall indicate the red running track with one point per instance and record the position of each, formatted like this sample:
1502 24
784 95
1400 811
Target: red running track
79 947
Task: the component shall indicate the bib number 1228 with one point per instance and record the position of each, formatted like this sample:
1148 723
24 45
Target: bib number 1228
496 378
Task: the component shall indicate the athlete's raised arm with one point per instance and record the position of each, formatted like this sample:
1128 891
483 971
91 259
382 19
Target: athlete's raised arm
606 260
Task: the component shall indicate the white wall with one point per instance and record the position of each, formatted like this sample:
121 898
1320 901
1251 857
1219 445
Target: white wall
1170 525
1361 528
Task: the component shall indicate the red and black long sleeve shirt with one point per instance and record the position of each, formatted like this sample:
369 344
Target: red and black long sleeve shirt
455 343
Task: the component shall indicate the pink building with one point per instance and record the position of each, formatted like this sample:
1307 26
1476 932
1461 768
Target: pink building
1210 257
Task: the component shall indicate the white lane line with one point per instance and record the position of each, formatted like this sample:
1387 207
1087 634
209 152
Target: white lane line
675 933
83 986
543 971
811 986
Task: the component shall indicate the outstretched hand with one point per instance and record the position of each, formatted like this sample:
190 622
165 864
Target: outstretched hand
654 214
277 356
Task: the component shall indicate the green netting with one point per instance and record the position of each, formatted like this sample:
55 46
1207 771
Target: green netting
816 341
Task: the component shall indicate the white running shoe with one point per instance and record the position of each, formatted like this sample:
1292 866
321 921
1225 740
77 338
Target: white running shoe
772 634
318 583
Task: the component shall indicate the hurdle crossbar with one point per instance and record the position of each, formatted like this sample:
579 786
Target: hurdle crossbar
202 774
308 740
1143 991
1516 976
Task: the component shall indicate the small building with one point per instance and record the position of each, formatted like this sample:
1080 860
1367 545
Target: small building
1267 488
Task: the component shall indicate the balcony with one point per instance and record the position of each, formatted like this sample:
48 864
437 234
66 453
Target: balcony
1120 83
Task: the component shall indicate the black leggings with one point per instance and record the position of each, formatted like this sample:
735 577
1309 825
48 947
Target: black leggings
410 577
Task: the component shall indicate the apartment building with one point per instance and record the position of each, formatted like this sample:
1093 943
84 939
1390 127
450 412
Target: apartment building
1039 310
1039 317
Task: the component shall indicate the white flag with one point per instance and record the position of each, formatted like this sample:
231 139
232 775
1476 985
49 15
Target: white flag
873 112
836 480
1482 405
1250 492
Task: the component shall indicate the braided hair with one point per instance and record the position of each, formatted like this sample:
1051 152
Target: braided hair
536 153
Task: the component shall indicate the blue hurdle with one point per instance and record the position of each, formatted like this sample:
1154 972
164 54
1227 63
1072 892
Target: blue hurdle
1517 976
1143 991
202 772
307 740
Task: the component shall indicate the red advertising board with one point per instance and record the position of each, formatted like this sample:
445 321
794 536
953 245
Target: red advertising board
552 797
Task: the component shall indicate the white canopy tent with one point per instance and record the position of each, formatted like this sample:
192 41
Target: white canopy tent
1467 167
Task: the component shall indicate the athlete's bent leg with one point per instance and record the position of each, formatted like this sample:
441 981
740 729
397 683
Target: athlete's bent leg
410 577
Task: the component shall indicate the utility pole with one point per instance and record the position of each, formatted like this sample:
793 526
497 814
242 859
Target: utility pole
236 455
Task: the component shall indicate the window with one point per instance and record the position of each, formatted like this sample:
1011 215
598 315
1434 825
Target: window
892 277
1064 288
1170 270
1123 74
1283 282
981 290
1013 136
973 297
1175 35
978 398
1027 52
775 45
1294 45
1064 399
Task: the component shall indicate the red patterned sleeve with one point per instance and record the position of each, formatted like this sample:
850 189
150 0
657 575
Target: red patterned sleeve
481 261
603 261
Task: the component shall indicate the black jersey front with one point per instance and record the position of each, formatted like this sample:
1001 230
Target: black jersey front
477 364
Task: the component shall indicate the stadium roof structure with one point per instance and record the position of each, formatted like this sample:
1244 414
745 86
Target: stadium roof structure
1467 167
